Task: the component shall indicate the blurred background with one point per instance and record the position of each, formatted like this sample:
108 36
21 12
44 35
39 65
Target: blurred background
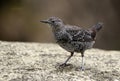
20 19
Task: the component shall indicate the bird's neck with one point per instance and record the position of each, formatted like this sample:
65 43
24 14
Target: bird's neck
57 28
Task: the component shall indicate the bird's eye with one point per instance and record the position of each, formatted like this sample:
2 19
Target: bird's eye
53 21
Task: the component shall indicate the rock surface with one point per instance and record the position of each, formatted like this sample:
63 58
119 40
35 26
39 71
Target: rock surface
39 62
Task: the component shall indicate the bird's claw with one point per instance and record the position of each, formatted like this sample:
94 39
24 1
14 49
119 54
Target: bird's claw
80 69
63 65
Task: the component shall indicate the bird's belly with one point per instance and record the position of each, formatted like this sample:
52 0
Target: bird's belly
77 46
67 46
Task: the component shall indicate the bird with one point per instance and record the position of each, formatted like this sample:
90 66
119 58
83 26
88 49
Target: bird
73 38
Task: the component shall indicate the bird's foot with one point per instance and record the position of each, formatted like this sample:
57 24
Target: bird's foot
80 69
63 65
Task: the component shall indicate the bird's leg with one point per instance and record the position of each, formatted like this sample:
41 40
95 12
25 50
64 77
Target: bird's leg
64 64
82 65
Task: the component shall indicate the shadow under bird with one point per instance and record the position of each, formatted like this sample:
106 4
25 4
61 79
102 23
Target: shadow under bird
73 38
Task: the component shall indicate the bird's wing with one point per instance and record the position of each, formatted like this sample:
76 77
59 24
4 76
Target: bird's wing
83 36
79 34
72 30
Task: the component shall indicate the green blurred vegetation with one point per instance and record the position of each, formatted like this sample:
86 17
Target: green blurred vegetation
19 19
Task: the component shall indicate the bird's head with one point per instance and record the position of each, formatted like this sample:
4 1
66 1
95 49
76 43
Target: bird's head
53 21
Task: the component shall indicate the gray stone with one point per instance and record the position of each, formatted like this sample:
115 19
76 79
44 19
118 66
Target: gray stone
39 61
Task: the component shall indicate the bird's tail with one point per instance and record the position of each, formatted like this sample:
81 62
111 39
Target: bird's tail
97 27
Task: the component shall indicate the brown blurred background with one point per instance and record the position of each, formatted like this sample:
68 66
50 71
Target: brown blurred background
19 19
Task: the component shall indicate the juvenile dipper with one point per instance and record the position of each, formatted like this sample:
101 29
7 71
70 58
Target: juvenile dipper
73 38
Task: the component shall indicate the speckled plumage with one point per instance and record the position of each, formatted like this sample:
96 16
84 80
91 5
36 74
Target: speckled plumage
73 38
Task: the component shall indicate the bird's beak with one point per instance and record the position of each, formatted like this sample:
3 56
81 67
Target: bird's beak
44 21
